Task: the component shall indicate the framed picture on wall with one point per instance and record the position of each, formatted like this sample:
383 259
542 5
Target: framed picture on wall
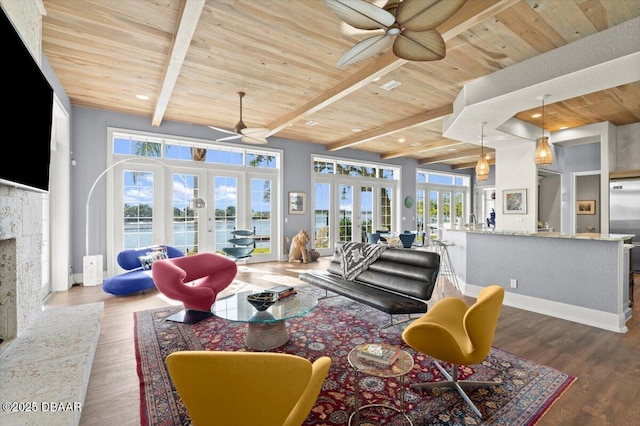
297 203
586 207
514 201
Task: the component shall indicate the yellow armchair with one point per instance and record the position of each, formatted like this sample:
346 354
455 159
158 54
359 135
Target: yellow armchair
453 332
247 388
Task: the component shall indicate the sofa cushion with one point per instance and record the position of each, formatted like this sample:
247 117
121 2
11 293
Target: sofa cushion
136 279
386 301
128 259
128 283
406 271
400 281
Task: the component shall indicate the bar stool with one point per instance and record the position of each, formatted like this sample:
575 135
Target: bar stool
446 266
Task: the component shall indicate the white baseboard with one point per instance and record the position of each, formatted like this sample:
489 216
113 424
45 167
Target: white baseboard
591 317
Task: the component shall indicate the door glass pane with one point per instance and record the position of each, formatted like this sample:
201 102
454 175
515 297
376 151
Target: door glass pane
322 205
433 213
346 212
421 219
459 207
386 195
186 218
446 208
225 204
366 213
138 209
261 214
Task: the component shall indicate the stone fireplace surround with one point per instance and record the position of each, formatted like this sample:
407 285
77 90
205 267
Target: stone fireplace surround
20 260
47 355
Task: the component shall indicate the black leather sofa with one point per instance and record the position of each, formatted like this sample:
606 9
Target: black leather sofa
399 282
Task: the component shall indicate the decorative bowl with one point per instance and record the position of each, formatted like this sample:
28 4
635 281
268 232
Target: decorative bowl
262 301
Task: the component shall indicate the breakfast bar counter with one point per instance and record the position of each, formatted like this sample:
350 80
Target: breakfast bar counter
582 278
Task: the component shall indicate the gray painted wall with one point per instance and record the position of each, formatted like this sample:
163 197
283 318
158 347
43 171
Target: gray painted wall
89 146
547 268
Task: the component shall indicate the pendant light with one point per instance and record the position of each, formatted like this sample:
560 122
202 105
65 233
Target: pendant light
482 168
544 155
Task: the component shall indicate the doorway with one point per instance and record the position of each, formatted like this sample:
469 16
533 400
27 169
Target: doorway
549 201
586 202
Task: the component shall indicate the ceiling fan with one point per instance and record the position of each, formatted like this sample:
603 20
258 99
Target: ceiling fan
411 22
251 135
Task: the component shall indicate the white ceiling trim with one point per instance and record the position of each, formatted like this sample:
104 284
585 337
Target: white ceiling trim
601 61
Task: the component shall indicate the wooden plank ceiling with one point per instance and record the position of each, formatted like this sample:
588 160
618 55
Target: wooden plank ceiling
192 57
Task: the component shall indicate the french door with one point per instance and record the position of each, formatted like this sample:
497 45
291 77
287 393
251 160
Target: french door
438 207
244 201
193 210
360 207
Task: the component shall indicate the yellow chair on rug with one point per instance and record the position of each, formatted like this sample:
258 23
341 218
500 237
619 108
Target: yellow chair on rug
247 388
453 332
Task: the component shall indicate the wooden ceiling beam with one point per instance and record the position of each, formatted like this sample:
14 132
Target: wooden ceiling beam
372 70
413 150
471 165
455 155
471 13
189 17
416 120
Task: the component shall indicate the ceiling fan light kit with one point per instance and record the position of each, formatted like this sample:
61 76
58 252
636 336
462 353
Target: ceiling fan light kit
250 135
409 26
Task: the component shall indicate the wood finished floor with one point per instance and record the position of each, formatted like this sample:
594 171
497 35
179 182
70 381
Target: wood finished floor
607 364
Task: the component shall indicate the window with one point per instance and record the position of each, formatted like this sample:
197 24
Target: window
441 199
191 194
365 196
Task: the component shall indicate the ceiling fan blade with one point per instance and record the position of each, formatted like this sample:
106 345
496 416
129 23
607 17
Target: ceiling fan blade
255 140
365 49
419 46
256 132
222 130
361 14
422 15
230 138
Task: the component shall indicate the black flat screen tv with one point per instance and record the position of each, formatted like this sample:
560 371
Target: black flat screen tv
27 115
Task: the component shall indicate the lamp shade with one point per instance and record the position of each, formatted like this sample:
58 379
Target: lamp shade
482 169
544 155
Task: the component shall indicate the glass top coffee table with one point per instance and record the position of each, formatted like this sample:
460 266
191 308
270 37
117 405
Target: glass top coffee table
265 329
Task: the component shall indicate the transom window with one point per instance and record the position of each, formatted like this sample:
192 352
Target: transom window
352 199
149 146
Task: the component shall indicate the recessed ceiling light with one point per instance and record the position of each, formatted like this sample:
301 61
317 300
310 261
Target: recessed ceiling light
401 140
564 127
311 123
142 97
356 130
390 85
536 115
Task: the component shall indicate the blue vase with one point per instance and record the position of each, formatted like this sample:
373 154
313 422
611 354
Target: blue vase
407 239
373 237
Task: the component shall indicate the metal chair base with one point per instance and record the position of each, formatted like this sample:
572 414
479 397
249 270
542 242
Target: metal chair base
453 382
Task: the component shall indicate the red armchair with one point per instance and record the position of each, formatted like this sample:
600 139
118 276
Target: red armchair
195 281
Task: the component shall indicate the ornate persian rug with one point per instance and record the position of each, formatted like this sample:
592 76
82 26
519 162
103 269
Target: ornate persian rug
333 328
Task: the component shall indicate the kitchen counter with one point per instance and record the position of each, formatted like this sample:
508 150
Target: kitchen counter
581 277
545 234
